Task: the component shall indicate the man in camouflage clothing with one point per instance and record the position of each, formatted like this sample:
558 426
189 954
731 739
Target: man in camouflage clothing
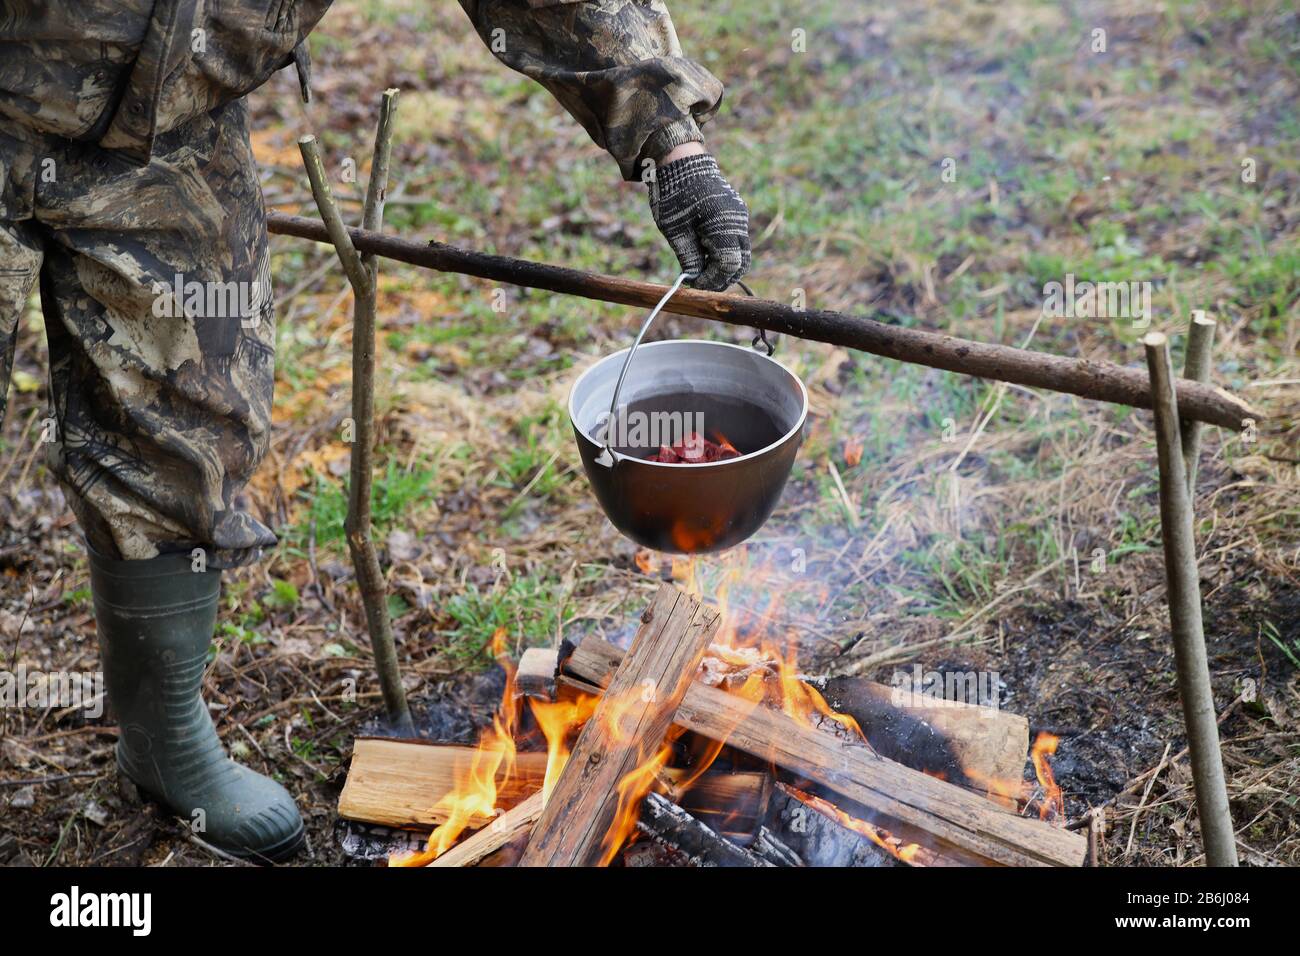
126 178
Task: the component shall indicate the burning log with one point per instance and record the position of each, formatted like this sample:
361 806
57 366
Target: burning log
821 839
910 804
773 849
512 825
621 740
979 747
1102 381
665 821
733 804
399 783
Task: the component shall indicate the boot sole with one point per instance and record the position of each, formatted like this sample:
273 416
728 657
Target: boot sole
275 853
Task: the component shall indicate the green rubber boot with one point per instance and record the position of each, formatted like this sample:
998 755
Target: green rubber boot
155 621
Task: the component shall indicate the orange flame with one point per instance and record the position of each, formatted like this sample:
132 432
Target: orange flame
556 721
647 561
911 853
1053 802
631 790
853 452
760 666
690 537
684 573
797 698
1004 791
473 800
721 440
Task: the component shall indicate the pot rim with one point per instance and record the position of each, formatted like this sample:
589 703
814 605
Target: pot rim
619 456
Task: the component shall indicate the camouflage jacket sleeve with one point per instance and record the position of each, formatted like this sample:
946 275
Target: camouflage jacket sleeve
615 65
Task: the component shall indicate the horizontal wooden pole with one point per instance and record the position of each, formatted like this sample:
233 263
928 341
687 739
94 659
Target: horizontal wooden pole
1103 381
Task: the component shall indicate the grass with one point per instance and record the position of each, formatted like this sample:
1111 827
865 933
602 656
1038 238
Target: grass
398 493
524 606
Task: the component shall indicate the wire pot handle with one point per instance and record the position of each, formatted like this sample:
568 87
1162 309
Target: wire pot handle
606 457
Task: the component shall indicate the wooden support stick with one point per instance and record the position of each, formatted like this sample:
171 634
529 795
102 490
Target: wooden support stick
1103 381
625 732
1196 368
1183 584
363 274
911 805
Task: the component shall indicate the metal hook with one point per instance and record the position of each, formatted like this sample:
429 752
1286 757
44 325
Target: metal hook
761 335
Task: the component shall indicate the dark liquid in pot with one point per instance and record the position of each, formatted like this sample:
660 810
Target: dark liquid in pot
666 420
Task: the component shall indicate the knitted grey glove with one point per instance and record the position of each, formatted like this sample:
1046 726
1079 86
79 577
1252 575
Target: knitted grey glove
704 220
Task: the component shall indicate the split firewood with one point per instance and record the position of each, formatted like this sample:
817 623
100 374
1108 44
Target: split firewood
626 732
982 748
512 825
909 804
535 675
399 783
733 804
821 839
665 821
979 747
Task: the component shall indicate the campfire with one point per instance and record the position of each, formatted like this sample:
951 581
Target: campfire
703 744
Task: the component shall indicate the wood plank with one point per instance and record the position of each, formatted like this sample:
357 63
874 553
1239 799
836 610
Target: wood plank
910 804
626 730
398 782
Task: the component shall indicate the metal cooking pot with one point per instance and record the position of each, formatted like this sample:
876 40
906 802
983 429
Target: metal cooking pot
688 508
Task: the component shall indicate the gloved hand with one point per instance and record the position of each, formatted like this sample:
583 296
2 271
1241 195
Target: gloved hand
704 220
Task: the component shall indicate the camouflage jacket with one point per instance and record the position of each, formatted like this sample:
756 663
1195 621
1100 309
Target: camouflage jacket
121 72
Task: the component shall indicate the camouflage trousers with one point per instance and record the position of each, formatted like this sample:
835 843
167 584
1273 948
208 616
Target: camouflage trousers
155 287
